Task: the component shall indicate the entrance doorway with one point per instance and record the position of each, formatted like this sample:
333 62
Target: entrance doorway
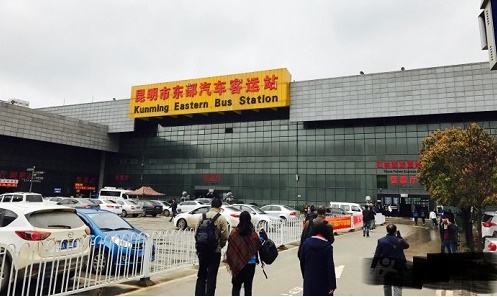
403 205
211 192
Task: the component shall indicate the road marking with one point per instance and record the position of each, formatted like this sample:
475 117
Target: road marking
339 270
294 291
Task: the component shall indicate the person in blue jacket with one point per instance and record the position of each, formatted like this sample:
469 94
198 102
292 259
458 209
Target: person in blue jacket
390 254
316 263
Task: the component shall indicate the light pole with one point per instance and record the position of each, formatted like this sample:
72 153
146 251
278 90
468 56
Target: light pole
31 179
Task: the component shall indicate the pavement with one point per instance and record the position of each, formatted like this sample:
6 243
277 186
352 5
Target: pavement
422 240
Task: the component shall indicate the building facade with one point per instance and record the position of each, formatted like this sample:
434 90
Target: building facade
338 139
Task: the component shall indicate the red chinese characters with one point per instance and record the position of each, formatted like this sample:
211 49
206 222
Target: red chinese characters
398 164
191 90
236 86
252 85
270 83
212 178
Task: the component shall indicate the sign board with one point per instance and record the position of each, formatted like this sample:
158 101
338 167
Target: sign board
236 92
8 183
57 190
487 29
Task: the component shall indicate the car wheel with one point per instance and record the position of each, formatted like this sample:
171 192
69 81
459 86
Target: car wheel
167 213
144 214
99 262
181 224
124 214
261 224
5 273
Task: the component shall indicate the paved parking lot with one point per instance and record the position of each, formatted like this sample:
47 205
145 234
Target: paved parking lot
150 224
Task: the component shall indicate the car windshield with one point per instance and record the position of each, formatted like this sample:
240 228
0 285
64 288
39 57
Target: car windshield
107 220
487 218
54 219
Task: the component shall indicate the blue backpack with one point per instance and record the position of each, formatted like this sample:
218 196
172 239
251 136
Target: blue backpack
205 236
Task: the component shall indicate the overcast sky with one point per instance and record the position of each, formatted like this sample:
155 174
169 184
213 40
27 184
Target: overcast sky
64 52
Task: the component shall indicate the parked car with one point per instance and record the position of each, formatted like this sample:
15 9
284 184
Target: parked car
186 206
206 201
116 242
166 207
109 205
190 219
490 245
150 208
53 239
260 218
21 197
489 224
283 212
78 203
54 200
130 207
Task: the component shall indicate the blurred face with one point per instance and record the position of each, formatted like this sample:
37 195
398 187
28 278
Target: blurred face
445 221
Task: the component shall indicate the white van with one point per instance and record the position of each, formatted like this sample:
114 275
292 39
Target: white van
113 193
350 208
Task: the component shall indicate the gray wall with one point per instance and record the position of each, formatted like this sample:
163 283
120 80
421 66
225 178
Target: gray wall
27 123
114 114
428 91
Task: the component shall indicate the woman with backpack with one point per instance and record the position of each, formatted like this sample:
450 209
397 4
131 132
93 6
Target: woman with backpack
241 256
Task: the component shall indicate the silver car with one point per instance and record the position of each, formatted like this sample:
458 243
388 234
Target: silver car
260 218
283 212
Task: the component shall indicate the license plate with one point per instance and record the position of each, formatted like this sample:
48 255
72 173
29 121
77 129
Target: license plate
64 245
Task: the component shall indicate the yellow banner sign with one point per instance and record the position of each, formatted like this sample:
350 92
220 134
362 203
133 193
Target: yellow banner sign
237 92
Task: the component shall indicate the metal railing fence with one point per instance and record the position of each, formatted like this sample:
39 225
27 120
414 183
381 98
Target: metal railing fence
85 264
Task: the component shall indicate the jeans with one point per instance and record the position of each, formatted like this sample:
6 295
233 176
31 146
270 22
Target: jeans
208 265
434 222
393 281
372 224
449 245
366 227
245 277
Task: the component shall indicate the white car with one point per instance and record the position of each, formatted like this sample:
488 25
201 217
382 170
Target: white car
190 219
489 224
186 206
129 207
283 212
21 197
260 218
109 205
40 240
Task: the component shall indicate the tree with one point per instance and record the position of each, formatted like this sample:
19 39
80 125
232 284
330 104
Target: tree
458 167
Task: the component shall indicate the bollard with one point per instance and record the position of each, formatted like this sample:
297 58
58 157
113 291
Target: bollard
145 281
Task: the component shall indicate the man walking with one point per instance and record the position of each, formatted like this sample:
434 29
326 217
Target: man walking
174 207
390 254
448 235
208 261
367 217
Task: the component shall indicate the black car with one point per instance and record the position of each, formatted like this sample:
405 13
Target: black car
151 208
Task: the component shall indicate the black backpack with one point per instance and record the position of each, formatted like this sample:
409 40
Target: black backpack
205 236
268 251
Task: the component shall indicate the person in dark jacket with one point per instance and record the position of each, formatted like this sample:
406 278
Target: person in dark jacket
174 207
316 263
390 254
309 224
367 217
448 235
